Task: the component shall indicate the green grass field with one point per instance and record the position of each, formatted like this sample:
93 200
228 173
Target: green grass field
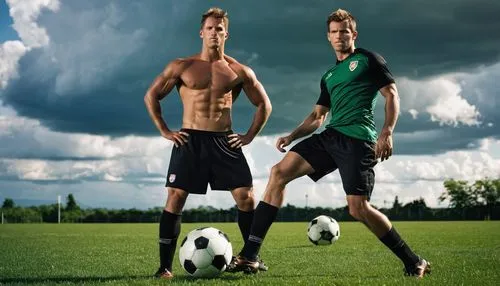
462 253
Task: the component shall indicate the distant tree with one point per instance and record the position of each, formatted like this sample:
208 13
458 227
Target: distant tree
459 193
396 206
396 203
395 211
8 204
71 203
48 212
488 191
416 209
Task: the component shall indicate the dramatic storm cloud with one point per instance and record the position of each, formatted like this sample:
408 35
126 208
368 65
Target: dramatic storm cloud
73 75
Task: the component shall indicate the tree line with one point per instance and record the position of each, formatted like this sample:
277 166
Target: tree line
479 200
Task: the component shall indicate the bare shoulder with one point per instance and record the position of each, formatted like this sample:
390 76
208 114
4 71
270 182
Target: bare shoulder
240 69
177 66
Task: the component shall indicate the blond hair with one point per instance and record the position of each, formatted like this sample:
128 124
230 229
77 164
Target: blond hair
340 16
216 13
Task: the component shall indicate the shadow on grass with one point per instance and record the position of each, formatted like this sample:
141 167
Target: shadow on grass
69 279
225 277
82 280
302 246
330 275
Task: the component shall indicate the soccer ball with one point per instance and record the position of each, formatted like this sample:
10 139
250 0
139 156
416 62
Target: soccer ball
205 252
323 230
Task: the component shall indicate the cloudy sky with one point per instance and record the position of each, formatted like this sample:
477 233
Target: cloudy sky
73 75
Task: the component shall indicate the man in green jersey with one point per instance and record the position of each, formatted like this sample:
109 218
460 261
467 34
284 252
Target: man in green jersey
349 144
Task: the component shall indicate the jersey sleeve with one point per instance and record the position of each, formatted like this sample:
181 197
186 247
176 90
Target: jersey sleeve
380 71
324 97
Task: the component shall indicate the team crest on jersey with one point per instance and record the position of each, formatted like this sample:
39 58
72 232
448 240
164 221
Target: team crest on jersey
171 178
353 65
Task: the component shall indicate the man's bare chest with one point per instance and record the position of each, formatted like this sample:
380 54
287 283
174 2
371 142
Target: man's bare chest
210 76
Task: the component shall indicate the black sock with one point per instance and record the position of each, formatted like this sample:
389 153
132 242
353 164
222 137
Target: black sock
245 222
264 216
395 243
170 227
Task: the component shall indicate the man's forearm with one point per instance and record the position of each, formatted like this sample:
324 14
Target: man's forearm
391 113
259 120
154 109
307 127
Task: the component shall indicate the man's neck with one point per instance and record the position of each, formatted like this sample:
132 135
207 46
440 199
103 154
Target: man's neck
212 55
344 54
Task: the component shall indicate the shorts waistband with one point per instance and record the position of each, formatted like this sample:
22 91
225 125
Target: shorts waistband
207 133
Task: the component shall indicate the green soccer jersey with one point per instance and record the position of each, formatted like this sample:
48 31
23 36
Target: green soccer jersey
350 90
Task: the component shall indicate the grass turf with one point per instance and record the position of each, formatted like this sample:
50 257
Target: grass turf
127 254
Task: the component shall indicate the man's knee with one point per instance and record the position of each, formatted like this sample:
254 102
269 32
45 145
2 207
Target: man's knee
175 200
279 174
359 210
244 195
355 213
177 194
244 198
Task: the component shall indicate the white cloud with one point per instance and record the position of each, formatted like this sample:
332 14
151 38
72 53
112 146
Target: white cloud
130 156
466 165
413 112
24 14
86 46
132 165
441 98
39 141
10 53
93 43
452 110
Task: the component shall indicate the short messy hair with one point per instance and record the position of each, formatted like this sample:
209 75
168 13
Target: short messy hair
340 16
216 13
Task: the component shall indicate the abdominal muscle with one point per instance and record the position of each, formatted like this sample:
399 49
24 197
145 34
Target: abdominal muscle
206 109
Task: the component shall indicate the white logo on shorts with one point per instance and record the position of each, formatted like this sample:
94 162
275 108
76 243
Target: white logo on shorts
171 178
353 65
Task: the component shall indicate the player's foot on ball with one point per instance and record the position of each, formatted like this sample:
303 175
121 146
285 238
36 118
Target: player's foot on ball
242 264
418 270
163 273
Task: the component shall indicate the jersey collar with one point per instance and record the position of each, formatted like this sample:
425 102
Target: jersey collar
356 50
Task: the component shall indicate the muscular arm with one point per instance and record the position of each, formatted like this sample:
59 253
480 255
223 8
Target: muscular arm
160 88
308 126
383 149
311 123
390 92
258 97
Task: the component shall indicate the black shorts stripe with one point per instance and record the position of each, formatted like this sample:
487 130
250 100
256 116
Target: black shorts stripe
224 149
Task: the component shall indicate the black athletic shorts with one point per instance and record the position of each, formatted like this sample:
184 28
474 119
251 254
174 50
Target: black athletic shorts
331 150
207 158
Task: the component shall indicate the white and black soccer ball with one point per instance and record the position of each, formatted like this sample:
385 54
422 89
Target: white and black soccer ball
323 230
205 252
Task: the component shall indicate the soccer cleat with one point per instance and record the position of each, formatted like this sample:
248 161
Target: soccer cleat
241 264
163 273
419 270
232 265
262 266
